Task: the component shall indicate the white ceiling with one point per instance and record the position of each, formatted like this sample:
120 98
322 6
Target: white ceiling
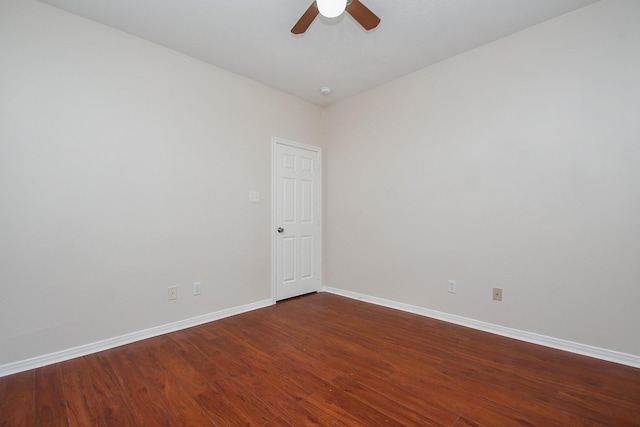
252 37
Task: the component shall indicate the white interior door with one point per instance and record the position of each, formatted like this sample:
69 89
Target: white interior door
297 188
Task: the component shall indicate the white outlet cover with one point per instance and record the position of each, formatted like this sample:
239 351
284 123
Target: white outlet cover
254 197
197 288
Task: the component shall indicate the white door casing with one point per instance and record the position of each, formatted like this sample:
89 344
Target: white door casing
297 219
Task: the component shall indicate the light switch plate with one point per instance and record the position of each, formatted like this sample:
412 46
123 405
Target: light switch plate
452 287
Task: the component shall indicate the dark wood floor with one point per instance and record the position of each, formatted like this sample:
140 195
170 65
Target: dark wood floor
325 360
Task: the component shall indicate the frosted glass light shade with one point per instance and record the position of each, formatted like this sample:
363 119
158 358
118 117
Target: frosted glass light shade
331 8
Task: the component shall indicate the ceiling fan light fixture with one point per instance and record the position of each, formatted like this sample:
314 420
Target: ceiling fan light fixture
331 8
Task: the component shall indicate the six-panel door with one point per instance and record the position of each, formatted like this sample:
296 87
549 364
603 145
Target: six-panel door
297 198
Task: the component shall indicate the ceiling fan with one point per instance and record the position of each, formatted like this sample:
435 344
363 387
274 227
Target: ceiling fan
333 8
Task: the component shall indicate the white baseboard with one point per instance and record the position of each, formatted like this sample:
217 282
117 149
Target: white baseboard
583 349
83 350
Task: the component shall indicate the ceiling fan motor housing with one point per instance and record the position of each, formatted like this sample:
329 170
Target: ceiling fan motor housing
367 19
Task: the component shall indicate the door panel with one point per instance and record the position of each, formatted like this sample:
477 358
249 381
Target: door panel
288 201
288 259
307 201
297 211
307 257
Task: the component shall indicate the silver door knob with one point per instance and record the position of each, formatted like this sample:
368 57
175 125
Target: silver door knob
280 229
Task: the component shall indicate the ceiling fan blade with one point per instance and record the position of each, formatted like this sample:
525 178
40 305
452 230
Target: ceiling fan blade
306 19
363 15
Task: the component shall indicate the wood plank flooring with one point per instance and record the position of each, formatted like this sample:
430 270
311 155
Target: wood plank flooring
325 360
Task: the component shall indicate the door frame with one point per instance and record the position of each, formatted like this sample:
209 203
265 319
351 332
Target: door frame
275 141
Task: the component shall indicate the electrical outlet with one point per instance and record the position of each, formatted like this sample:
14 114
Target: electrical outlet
173 292
497 294
452 287
197 288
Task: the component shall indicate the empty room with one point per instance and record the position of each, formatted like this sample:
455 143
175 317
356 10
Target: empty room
273 213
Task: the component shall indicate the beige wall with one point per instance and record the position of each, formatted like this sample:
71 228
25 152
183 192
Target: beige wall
126 168
516 165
